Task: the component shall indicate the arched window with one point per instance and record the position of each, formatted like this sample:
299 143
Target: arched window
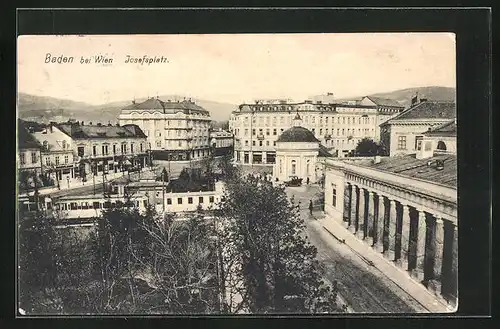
64 145
441 146
308 167
294 167
45 145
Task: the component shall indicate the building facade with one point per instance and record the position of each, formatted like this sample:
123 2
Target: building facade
101 149
175 130
442 139
338 127
222 142
405 208
29 150
57 154
404 133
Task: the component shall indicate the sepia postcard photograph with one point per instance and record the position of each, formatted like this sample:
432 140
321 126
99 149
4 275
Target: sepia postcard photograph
236 174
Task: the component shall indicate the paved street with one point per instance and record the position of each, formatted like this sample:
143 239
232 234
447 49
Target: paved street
363 287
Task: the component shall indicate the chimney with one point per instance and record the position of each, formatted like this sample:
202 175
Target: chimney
90 123
82 123
426 150
416 99
133 101
117 124
98 124
109 123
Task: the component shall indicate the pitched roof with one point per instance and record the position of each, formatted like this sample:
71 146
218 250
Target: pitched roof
135 129
24 138
447 129
323 151
384 101
297 135
77 131
185 106
409 165
428 110
150 103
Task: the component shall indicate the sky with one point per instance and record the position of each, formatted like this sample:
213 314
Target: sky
235 68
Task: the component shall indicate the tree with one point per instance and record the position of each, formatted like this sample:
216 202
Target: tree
274 267
368 147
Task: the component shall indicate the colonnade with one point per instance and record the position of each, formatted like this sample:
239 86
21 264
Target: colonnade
423 243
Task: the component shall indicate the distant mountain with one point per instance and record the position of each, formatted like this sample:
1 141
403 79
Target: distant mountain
404 96
46 109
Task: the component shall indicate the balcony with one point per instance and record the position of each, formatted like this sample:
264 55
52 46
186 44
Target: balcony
328 136
260 137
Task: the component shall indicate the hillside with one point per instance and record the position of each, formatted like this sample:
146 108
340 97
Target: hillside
45 109
404 96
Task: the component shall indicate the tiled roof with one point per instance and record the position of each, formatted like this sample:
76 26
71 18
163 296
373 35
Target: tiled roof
447 129
77 131
135 129
25 139
297 135
170 106
428 110
384 101
323 151
410 166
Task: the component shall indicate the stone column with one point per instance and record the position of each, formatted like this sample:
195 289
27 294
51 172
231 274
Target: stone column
405 238
435 283
250 157
360 233
390 253
418 271
264 157
454 266
347 211
369 219
354 219
380 222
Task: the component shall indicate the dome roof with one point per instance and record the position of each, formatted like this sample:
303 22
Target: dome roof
297 135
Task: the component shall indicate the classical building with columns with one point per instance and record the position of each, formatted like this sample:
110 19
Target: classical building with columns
404 208
338 126
297 152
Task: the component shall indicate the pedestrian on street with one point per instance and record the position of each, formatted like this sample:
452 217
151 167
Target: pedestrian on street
307 181
310 207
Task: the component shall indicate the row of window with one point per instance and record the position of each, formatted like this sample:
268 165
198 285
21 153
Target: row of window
201 199
105 149
338 142
402 142
48 160
343 131
313 119
83 205
22 158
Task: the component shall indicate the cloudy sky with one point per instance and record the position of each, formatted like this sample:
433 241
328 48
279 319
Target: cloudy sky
235 68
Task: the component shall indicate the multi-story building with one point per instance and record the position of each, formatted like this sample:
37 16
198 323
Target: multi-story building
28 152
222 142
403 134
58 157
102 149
338 127
175 130
405 208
